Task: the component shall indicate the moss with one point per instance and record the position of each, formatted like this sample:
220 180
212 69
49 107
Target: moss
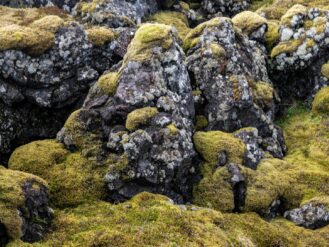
325 70
108 83
173 130
146 38
193 37
72 178
12 198
201 122
172 18
98 36
32 30
321 101
185 6
297 9
248 21
263 94
217 50
140 117
286 47
272 35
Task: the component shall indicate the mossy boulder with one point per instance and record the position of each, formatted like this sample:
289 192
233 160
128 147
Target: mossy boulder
248 21
321 101
24 211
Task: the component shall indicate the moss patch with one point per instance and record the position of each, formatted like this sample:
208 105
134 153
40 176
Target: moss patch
108 83
248 21
98 36
140 117
321 101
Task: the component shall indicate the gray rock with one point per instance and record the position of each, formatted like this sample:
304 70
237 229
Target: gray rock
63 4
225 7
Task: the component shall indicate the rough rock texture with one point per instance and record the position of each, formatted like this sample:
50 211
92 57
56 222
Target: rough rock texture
309 216
225 7
39 91
230 73
64 4
298 58
115 13
141 115
24 213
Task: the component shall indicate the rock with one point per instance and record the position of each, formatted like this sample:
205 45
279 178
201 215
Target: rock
45 75
225 7
115 13
25 212
63 4
141 116
309 216
229 71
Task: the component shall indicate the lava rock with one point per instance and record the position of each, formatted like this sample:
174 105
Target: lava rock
309 216
63 4
225 7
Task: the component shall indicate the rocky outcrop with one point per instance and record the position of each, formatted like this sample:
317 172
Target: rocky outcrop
224 7
63 4
45 74
25 211
232 88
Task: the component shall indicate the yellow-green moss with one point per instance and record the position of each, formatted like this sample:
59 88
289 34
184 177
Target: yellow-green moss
172 129
263 94
248 21
32 30
12 198
139 117
108 83
325 70
72 178
146 38
172 18
286 47
294 10
272 35
201 122
217 50
98 36
321 101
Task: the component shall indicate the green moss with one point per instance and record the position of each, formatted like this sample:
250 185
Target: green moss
263 94
140 117
172 18
108 83
146 38
72 178
172 129
32 30
248 21
294 10
321 101
217 51
12 198
201 122
98 36
325 70
272 35
286 47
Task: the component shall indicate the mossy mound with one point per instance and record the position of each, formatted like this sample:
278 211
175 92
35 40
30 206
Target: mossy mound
12 198
325 70
32 30
108 83
248 21
321 101
98 36
72 178
172 18
152 220
140 117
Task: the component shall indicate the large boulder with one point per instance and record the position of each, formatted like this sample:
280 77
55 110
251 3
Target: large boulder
47 64
24 209
230 81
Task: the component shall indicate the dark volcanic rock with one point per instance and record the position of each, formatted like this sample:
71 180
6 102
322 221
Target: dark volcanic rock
231 82
224 7
64 4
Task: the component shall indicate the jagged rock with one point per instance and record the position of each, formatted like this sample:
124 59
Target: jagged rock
229 72
115 13
45 74
301 52
309 216
141 116
24 210
225 7
64 4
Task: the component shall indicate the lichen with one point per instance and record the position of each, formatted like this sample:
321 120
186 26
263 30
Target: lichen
248 21
140 117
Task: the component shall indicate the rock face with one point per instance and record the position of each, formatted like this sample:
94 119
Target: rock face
46 75
298 58
231 82
64 4
225 7
309 216
142 116
24 206
115 13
